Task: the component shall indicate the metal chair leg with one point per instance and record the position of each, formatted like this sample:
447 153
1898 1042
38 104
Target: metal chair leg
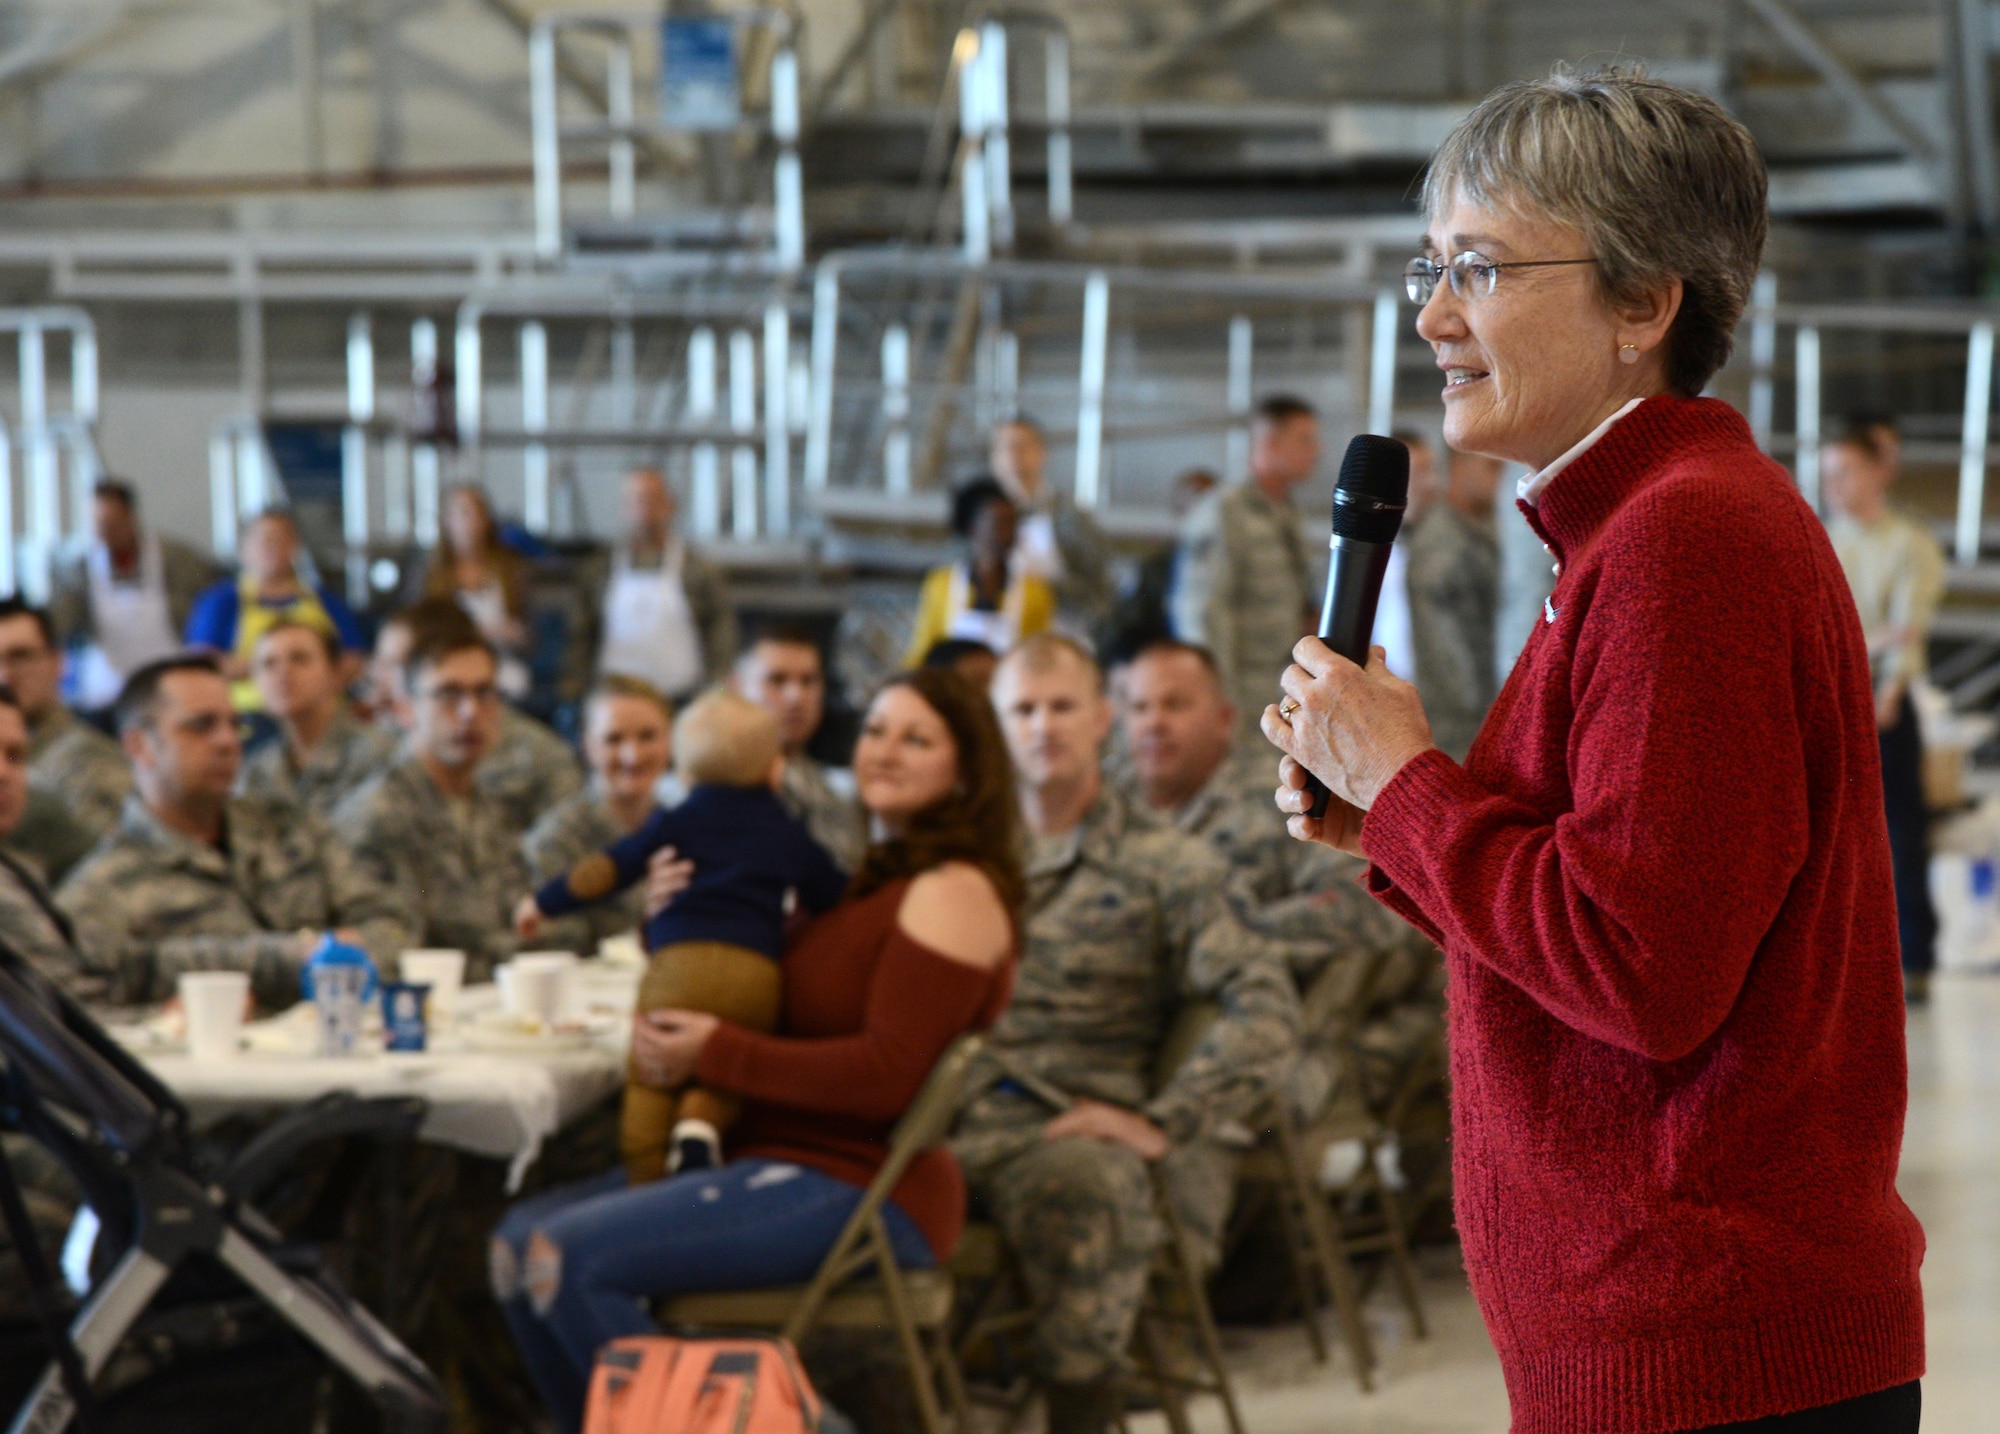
914 1358
1172 1404
1309 1280
1330 1254
1189 1270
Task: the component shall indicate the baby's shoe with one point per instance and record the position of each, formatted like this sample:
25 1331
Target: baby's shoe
697 1145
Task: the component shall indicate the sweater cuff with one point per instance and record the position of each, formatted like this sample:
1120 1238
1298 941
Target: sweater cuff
1393 832
723 1056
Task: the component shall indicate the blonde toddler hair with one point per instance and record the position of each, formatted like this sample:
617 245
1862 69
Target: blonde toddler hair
726 741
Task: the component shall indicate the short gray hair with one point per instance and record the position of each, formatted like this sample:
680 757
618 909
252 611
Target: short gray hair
1660 181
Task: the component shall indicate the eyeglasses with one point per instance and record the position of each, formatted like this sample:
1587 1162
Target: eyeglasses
1472 274
451 696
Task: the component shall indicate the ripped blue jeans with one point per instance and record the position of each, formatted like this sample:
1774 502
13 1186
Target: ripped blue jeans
573 1268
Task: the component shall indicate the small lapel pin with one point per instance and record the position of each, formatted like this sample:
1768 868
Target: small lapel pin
1548 610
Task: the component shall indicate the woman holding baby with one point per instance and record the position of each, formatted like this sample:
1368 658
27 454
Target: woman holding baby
920 951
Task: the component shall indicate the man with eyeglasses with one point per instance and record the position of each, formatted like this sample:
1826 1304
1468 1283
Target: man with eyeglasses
194 879
77 777
1245 586
425 826
530 770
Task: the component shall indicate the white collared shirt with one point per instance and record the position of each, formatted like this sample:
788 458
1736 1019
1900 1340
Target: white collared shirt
1531 486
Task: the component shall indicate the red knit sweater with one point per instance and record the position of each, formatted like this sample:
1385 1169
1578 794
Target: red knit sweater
1661 882
867 1013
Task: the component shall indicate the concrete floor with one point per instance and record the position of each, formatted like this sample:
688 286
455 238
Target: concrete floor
1450 1383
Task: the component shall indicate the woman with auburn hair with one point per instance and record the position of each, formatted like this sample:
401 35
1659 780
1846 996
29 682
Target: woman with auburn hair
471 566
1661 876
920 952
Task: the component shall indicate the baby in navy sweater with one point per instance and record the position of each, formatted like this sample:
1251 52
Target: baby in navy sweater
715 947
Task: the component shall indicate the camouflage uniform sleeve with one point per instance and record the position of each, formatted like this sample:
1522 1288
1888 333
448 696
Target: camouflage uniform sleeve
362 825
100 797
1252 1044
1326 913
273 960
1086 587
1200 605
106 904
361 901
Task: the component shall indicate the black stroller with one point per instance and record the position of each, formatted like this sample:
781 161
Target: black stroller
124 1140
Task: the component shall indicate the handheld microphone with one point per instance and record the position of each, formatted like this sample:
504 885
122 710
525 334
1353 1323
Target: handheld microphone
1368 502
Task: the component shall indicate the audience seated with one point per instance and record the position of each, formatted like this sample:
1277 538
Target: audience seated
1245 585
666 614
31 924
193 879
1126 921
124 598
876 990
232 613
77 778
627 744
1056 541
985 595
529 769
473 568
424 827
781 670
322 751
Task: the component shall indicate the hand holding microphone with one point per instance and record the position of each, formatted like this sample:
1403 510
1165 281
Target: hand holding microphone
1344 713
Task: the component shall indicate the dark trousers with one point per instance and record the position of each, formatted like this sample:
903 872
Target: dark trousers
1887 1411
1909 838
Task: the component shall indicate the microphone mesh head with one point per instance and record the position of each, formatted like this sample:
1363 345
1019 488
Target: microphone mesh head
1373 488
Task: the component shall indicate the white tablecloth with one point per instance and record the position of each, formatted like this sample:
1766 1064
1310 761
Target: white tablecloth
499 1104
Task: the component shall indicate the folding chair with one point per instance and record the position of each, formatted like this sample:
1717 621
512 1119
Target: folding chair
1325 1230
859 1285
123 1138
1176 1291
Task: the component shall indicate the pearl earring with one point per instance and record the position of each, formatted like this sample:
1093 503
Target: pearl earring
1628 353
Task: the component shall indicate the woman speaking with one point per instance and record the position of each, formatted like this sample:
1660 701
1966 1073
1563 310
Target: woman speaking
1661 878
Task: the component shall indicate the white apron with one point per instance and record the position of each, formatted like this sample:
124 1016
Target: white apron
649 629
1035 551
133 621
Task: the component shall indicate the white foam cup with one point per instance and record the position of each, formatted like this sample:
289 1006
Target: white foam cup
213 1002
540 984
443 971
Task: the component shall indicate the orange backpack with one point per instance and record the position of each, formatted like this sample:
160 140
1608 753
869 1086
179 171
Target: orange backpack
655 1384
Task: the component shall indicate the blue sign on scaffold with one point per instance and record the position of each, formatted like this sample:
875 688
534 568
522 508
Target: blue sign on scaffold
698 86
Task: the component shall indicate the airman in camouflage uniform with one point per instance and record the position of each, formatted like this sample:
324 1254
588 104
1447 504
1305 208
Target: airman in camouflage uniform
1245 584
1127 923
529 771
350 753
35 928
152 902
77 777
1454 580
455 863
578 826
77 784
